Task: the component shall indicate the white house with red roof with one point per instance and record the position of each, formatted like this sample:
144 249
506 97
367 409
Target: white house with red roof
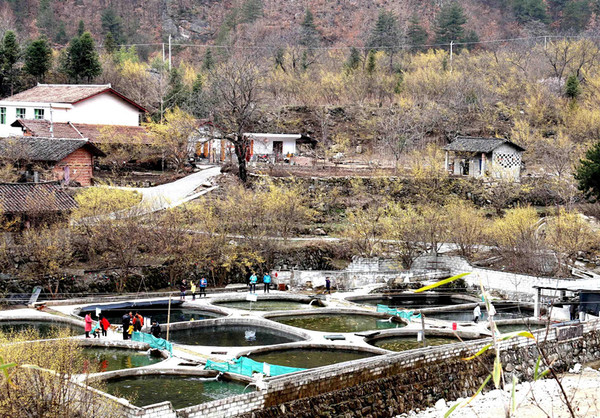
97 104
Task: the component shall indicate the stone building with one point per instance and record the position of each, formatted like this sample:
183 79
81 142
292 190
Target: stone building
492 158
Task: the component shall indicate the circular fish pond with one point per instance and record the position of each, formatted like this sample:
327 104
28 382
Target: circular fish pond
409 342
101 359
157 310
44 329
412 300
339 322
506 326
229 335
181 391
308 358
267 305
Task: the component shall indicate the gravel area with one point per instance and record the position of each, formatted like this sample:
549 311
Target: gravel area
539 399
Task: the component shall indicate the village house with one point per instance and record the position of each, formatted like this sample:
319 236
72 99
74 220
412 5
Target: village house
69 160
32 202
68 104
491 158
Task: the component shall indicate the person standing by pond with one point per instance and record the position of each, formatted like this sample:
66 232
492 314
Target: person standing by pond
328 285
88 325
253 281
267 282
155 329
193 289
126 321
138 322
104 324
476 314
182 289
203 284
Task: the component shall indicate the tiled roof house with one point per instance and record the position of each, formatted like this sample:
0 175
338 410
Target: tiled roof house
27 198
70 159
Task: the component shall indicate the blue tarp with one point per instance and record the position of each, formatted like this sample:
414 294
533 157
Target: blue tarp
246 366
408 315
154 342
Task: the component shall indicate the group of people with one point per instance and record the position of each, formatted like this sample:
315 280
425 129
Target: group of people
254 280
99 328
201 284
132 323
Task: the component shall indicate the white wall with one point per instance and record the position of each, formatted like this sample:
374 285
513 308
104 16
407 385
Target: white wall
104 109
500 172
265 145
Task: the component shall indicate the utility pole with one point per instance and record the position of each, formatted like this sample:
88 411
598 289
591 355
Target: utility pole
163 51
169 53
451 45
545 42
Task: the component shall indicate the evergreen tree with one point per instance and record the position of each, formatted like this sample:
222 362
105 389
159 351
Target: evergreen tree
109 43
38 58
528 10
80 28
354 60
46 21
81 61
572 87
576 16
252 10
385 36
588 172
178 93
61 37
471 39
417 35
208 63
371 62
450 23
9 56
279 58
309 35
112 23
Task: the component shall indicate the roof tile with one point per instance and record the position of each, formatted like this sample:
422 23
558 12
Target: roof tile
34 197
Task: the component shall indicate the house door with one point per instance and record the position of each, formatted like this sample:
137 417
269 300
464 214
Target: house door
277 147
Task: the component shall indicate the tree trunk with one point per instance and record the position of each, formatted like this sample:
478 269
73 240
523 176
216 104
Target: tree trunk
241 147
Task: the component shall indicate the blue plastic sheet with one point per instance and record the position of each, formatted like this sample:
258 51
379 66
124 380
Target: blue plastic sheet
408 315
151 340
246 367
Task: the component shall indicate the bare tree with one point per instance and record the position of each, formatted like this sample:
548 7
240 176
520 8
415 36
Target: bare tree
236 86
398 129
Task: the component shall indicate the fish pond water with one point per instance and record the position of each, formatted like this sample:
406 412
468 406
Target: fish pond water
231 336
467 315
181 391
44 329
115 316
410 301
99 359
409 343
504 329
308 358
266 305
338 322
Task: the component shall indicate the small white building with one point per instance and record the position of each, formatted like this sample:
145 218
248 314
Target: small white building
493 158
273 144
69 103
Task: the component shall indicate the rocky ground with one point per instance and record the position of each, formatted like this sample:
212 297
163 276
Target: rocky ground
540 399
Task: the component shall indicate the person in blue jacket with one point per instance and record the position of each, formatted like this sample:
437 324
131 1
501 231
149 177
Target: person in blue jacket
203 284
253 281
267 282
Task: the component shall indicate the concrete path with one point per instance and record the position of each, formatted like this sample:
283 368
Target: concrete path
173 194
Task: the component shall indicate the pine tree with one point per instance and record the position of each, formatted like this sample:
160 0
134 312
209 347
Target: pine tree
80 28
252 10
82 59
38 58
450 23
109 43
208 63
528 10
61 37
576 16
112 23
9 54
371 62
417 35
572 87
309 35
588 172
354 60
385 36
45 18
178 93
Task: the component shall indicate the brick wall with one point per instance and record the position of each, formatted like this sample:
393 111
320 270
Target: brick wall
80 165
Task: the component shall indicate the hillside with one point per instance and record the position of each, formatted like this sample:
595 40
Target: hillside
339 22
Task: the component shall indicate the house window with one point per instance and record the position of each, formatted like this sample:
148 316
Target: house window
20 113
38 113
2 115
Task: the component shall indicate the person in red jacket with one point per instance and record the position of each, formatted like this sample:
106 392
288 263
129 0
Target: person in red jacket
88 325
138 322
104 324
